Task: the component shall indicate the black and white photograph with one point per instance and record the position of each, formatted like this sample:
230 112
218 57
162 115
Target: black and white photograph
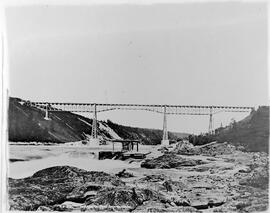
135 106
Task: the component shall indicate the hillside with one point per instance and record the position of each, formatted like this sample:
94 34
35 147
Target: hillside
252 132
27 123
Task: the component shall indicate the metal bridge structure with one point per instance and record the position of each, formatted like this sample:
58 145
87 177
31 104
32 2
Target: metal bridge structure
95 108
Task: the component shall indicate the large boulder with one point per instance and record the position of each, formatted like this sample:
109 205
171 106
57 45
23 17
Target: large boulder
186 148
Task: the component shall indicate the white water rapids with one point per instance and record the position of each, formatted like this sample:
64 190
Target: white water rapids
28 159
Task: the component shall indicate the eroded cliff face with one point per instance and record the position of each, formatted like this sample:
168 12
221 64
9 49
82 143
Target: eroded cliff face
229 181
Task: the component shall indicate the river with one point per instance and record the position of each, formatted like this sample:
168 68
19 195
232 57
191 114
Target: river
25 160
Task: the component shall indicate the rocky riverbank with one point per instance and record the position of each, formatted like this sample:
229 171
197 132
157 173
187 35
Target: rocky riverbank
216 178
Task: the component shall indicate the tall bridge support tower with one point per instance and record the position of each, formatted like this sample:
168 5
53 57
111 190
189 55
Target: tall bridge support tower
210 129
94 141
47 112
165 139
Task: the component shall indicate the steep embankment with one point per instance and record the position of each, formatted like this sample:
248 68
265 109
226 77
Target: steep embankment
27 123
252 132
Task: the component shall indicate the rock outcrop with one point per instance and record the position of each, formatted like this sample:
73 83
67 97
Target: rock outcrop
170 160
55 185
186 148
65 188
210 149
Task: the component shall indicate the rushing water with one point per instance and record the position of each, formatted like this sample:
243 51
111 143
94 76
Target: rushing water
25 160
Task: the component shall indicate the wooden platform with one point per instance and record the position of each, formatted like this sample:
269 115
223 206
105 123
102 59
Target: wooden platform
127 145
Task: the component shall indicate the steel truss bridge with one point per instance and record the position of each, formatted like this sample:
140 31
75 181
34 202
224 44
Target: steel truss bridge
163 109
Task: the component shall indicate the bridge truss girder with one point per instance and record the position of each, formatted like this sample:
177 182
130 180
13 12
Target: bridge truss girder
170 109
163 109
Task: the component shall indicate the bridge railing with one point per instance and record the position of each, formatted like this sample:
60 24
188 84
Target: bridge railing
170 109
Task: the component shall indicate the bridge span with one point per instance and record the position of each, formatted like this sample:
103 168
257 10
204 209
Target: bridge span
158 108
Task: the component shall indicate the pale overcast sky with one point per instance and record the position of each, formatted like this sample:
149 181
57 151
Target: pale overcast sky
188 53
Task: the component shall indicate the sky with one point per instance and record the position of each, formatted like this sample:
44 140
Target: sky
186 54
